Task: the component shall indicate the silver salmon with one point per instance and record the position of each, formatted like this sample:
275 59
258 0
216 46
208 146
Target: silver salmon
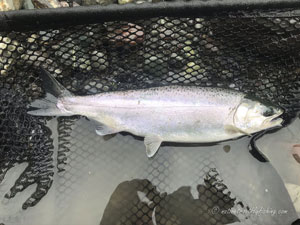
164 114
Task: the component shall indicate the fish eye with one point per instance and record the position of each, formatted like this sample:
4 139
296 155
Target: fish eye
268 112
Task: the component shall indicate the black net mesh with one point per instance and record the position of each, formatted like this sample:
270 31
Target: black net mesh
256 55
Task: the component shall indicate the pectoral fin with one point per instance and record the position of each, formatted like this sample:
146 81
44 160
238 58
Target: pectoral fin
103 130
152 143
233 129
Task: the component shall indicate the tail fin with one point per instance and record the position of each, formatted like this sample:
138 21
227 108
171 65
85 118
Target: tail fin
52 86
48 105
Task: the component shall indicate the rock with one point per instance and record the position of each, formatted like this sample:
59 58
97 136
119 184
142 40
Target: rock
8 55
131 34
189 52
198 26
35 58
76 51
41 4
28 4
121 2
66 4
155 66
98 2
18 4
140 1
6 5
176 61
99 60
89 2
192 69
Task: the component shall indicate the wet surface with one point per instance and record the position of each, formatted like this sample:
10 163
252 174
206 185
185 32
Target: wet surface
99 172
139 202
280 150
69 175
24 139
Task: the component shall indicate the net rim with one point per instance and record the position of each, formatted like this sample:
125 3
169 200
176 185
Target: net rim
38 19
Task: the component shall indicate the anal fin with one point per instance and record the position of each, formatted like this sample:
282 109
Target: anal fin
152 143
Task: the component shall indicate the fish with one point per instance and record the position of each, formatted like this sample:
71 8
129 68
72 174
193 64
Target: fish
181 114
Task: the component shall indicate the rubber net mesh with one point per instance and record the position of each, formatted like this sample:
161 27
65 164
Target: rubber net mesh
256 55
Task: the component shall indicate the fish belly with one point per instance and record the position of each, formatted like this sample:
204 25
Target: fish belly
175 124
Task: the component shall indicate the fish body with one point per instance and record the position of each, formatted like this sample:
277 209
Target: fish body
172 113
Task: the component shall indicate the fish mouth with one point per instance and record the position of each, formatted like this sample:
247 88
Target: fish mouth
274 121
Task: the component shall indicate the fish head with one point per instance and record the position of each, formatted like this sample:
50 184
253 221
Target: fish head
252 116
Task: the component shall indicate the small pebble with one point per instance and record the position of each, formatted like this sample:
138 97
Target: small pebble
226 148
3 45
296 152
198 26
6 40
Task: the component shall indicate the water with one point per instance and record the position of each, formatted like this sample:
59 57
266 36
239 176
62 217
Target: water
103 178
278 148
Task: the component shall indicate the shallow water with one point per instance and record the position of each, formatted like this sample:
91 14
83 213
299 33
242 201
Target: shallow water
278 148
106 180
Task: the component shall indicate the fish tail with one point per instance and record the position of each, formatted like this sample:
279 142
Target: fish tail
52 86
45 107
48 106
